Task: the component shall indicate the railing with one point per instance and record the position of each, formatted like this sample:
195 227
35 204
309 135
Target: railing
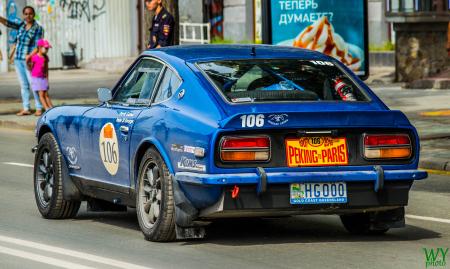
196 33
417 6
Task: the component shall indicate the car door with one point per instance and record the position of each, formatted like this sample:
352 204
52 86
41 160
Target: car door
108 128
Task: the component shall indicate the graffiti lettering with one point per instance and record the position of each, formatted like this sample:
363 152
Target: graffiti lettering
77 9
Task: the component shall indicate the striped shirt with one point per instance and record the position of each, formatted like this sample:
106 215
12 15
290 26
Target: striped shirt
26 40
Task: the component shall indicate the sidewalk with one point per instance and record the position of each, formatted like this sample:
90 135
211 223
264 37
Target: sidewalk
385 76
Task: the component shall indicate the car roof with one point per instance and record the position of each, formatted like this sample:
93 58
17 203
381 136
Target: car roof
200 53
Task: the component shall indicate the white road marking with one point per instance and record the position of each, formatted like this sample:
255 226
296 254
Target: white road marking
428 218
20 164
42 259
71 253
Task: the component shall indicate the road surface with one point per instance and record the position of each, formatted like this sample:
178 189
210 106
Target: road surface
113 240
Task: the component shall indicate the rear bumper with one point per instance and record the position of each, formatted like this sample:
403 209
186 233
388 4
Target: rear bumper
267 194
298 177
275 201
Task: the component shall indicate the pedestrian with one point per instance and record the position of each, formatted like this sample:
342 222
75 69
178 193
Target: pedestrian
29 32
39 73
163 23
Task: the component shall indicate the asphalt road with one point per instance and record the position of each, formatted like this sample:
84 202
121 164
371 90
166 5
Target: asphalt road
113 240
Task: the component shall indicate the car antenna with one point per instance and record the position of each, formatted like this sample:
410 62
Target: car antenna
253 53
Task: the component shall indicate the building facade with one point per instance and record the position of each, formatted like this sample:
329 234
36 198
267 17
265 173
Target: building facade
97 28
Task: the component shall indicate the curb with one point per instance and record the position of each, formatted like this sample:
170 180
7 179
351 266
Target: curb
434 136
17 125
433 164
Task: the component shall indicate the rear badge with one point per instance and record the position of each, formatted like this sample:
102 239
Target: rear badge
278 119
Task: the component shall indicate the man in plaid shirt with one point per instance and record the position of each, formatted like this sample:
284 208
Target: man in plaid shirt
29 32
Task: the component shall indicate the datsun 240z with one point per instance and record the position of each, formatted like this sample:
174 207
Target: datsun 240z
191 134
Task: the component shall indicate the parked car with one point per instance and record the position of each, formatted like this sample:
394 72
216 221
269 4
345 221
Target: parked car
192 134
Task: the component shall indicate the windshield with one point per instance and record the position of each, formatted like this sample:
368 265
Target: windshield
281 80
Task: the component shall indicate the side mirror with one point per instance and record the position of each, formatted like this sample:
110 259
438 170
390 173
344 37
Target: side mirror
104 95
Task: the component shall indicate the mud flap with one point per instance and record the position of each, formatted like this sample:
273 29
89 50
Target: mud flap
185 214
388 219
69 189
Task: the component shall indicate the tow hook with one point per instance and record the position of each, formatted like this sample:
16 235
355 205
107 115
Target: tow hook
235 192
379 182
34 149
262 183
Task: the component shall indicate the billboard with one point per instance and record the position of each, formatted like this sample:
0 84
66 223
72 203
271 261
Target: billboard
335 27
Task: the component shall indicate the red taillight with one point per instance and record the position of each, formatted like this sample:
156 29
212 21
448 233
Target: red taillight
386 140
241 149
245 142
395 146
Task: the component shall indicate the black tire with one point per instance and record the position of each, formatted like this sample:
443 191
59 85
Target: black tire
153 181
360 224
48 178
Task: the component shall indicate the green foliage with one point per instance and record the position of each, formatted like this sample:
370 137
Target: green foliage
218 40
387 46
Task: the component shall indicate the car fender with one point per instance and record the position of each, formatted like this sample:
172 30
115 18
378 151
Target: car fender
70 191
143 145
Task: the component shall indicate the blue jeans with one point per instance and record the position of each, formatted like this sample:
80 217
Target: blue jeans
25 81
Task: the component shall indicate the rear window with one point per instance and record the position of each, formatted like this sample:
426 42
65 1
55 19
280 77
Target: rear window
281 80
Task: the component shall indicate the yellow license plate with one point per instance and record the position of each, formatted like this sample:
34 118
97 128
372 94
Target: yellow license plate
316 151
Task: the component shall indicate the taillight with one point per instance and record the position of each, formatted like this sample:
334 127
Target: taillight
395 146
245 149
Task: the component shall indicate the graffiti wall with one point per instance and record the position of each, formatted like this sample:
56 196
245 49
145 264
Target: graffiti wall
98 28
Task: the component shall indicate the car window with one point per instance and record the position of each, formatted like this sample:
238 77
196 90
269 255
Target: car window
138 87
281 80
169 84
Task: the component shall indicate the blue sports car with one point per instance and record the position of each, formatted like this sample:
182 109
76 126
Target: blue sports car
192 134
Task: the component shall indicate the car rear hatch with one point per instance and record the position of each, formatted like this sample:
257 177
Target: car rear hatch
317 139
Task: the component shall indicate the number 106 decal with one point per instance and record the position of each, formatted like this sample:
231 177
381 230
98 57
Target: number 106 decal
250 121
109 149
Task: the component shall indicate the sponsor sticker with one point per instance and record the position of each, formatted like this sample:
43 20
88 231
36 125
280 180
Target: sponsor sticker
72 157
191 164
278 119
109 148
177 148
197 151
189 149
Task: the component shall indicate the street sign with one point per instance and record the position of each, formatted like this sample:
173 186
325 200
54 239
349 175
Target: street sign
338 28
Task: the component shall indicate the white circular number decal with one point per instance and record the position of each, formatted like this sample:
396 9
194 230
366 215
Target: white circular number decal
109 148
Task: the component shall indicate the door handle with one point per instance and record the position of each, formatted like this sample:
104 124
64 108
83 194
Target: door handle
124 129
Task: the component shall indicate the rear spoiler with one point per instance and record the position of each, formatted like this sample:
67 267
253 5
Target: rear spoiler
326 119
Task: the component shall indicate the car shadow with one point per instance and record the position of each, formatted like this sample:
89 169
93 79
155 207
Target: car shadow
303 229
259 231
126 220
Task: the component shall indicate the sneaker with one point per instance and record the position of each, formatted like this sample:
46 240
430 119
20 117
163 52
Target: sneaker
24 113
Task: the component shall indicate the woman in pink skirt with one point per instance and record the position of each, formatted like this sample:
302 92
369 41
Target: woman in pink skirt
39 73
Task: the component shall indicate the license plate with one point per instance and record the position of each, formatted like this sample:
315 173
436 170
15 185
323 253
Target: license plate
318 193
316 151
